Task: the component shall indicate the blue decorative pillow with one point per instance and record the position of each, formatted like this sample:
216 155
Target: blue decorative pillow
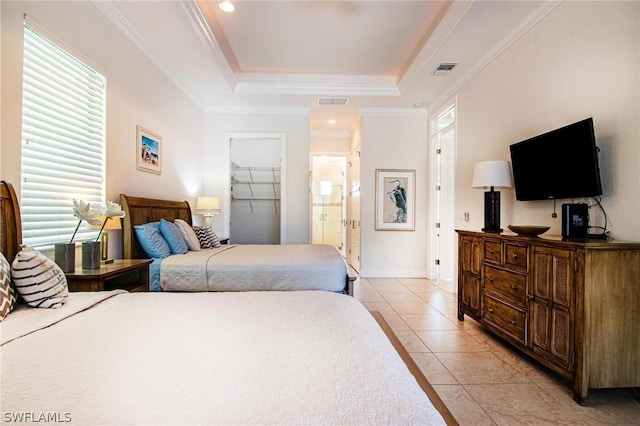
151 240
174 237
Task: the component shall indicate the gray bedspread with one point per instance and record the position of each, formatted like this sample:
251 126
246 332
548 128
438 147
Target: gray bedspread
255 268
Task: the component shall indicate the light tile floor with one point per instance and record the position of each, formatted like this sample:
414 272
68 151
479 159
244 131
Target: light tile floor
482 380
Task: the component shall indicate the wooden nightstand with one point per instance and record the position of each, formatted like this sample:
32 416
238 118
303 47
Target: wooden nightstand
127 274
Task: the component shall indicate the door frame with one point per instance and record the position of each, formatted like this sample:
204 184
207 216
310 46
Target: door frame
345 156
283 174
432 233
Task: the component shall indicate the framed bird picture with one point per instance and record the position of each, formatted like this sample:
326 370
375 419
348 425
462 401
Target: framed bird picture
395 200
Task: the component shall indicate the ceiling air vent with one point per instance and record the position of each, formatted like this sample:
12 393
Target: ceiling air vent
444 68
333 101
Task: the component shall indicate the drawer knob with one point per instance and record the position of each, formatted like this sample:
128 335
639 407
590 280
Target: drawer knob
492 251
490 309
514 287
490 279
512 322
514 255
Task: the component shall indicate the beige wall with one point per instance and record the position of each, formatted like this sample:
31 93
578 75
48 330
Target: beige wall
393 140
137 94
295 126
581 60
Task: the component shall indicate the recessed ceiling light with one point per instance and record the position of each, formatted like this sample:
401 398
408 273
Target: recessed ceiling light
226 6
332 121
418 105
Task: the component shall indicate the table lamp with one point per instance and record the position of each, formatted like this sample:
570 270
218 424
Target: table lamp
491 174
111 224
208 207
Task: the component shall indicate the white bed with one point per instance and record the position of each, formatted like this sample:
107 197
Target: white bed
208 358
232 358
272 267
281 267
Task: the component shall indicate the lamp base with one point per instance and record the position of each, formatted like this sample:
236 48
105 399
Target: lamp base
495 231
492 212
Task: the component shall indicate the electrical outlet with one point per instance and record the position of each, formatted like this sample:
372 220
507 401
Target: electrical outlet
466 216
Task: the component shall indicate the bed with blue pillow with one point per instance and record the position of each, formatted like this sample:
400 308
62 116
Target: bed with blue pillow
189 258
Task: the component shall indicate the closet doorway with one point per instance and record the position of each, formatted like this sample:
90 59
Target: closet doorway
328 212
256 188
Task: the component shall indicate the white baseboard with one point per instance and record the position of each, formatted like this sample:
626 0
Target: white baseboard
393 273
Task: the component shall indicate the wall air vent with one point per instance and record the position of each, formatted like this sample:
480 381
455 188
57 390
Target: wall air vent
444 68
333 101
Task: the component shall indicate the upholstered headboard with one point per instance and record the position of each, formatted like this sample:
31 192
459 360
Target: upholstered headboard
10 222
139 211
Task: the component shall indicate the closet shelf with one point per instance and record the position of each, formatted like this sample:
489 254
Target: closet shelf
252 182
254 198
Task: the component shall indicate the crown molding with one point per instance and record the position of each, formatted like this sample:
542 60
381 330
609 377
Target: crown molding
286 110
543 10
202 29
330 134
109 9
449 22
380 111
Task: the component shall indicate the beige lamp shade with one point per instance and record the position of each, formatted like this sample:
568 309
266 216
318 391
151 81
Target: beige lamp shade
487 174
112 223
208 206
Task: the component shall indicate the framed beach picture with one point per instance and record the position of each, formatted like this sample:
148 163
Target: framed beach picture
148 151
395 200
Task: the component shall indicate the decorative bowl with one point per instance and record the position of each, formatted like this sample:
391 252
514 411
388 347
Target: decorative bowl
529 230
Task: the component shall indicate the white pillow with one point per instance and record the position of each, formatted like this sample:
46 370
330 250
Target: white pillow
39 281
188 234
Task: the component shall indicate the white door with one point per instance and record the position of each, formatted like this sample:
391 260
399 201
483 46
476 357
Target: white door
442 147
353 209
328 208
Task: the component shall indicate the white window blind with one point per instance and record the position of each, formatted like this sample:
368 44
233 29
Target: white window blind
63 142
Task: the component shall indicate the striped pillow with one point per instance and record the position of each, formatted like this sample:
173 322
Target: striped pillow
7 293
39 281
206 236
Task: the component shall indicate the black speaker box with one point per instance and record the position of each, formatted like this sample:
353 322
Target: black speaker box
575 220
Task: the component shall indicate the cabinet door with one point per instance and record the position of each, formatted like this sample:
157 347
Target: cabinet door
552 308
471 259
469 288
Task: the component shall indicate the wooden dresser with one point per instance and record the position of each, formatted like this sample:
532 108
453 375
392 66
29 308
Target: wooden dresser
574 306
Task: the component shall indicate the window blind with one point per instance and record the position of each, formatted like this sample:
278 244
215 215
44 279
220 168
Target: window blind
63 142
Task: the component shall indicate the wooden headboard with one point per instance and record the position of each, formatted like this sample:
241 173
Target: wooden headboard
10 222
139 211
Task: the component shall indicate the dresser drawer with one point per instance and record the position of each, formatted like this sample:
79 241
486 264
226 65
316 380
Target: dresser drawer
509 320
516 256
493 251
507 284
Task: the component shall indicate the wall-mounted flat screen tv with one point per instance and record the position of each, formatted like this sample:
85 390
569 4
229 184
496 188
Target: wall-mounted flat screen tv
562 163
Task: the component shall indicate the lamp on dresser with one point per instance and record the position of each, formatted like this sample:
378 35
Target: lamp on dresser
492 174
208 207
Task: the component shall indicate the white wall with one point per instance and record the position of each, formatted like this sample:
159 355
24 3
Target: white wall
295 126
581 60
137 93
393 140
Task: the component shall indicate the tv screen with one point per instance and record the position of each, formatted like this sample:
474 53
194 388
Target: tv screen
562 163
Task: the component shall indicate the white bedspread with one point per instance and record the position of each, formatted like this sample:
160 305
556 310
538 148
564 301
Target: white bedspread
253 267
211 358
